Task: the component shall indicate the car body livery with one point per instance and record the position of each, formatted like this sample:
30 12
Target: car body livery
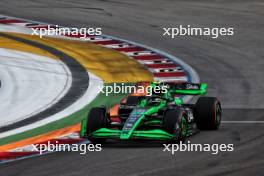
161 116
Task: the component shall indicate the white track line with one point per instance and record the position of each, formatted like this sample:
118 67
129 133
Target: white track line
24 90
91 92
89 95
243 121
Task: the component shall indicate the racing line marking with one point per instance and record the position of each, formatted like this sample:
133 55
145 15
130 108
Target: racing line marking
243 121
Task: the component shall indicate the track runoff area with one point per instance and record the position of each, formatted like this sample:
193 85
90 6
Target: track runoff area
24 55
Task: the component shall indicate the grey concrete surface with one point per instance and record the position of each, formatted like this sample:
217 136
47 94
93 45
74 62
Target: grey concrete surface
232 66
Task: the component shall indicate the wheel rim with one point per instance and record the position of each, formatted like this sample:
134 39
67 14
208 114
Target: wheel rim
218 115
183 126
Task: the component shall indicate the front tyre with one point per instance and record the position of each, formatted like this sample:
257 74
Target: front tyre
208 113
175 122
96 119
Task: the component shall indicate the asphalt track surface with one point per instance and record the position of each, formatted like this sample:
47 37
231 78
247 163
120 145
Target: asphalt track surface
232 66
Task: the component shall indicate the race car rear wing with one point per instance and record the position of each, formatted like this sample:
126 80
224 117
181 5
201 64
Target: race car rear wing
187 88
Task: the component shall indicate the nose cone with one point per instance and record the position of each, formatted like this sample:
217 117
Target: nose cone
132 122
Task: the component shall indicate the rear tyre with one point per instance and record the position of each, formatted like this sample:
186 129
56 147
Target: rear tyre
175 122
208 113
133 100
128 106
96 119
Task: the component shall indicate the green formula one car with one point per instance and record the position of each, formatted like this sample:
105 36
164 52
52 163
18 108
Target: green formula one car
162 116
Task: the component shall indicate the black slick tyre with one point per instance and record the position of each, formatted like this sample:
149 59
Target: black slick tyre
96 119
175 122
133 100
208 113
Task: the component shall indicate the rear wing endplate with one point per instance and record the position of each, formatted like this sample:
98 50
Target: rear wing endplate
187 88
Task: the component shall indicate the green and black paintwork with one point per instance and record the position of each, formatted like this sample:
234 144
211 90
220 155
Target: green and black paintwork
162 116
